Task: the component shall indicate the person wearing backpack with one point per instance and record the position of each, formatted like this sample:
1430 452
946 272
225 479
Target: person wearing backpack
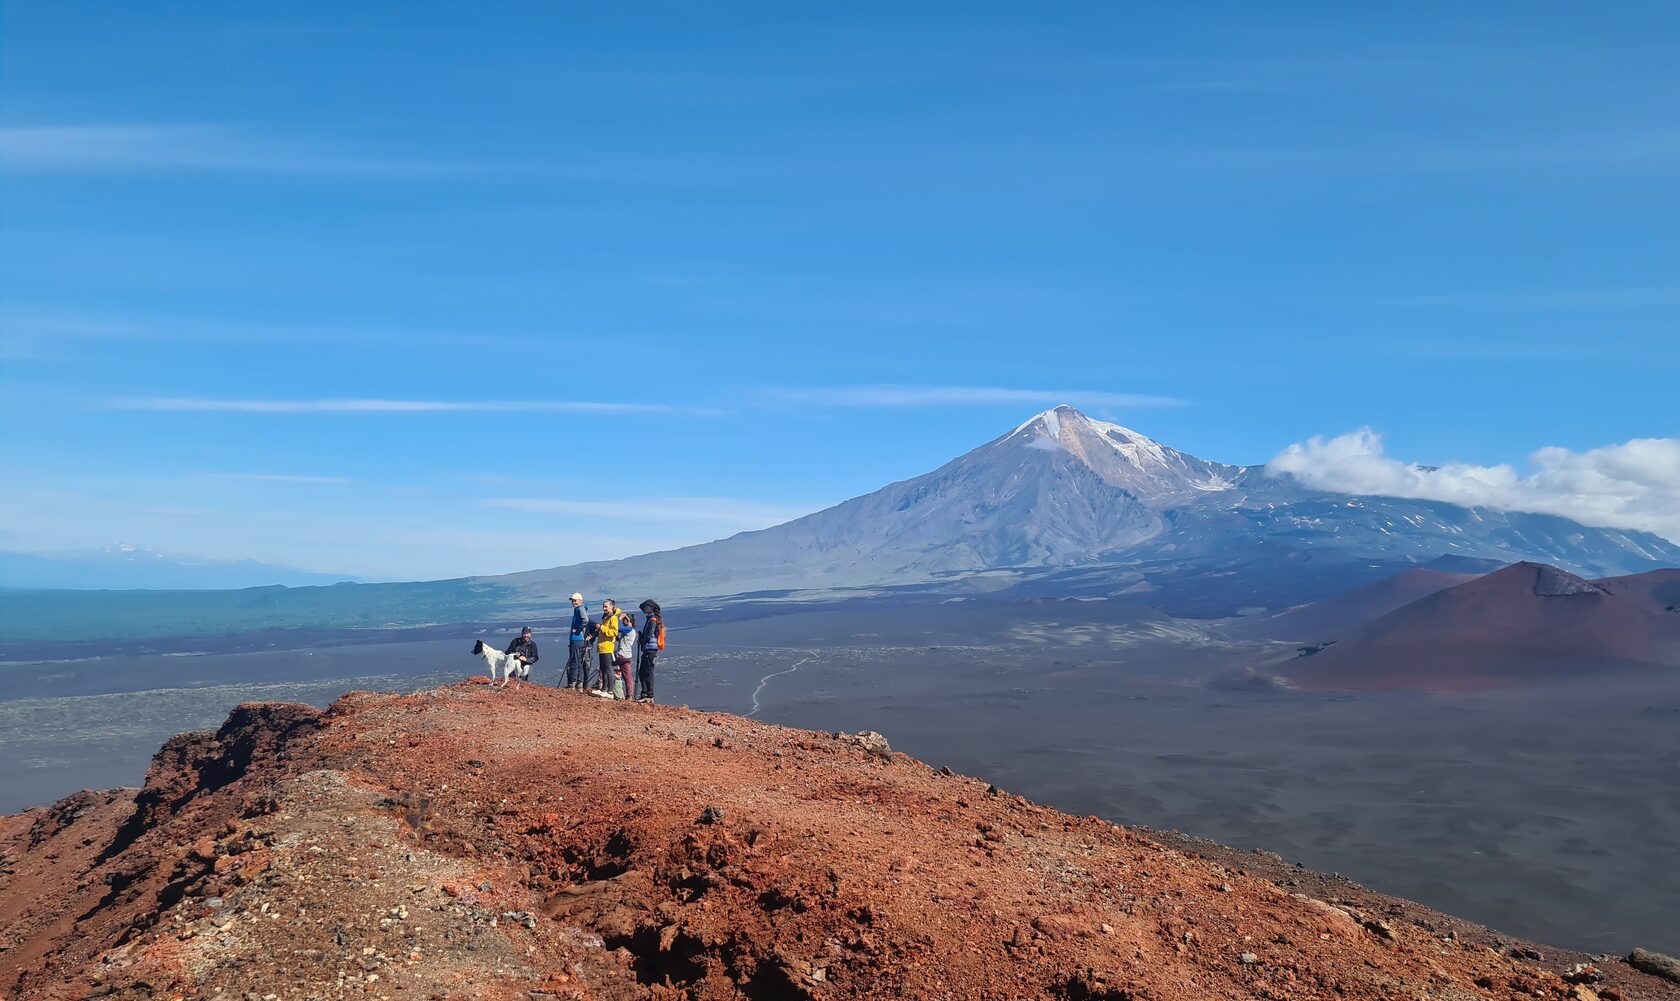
577 658
624 684
606 642
653 641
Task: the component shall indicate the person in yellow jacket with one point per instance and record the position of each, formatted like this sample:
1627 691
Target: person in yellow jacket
606 641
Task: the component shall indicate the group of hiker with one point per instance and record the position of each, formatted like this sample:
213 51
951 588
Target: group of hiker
601 651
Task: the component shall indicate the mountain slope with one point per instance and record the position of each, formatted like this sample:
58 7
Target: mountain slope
1525 623
1325 620
120 567
1659 590
1063 489
1051 492
445 845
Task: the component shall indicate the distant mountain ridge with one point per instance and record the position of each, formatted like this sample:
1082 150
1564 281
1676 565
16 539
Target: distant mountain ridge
1064 490
121 567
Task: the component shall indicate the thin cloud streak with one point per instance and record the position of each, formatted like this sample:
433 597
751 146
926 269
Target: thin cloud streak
1644 150
1604 298
719 512
1497 350
23 330
113 148
892 395
352 406
105 149
396 541
122 148
278 478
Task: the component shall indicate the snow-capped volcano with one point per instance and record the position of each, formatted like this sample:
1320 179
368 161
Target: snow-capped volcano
1065 490
1124 458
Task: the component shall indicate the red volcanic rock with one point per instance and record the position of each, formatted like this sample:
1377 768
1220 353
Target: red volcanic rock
1659 590
604 850
1525 623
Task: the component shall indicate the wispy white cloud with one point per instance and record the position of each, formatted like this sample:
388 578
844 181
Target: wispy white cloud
128 148
380 536
359 406
1211 85
28 336
1468 348
1645 150
1581 298
148 148
891 395
878 396
1635 484
301 480
57 336
715 512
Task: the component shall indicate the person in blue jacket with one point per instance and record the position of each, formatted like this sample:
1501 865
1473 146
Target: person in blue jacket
578 659
652 641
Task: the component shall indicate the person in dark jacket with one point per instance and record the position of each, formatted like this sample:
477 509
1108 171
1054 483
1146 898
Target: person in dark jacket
525 648
577 657
653 630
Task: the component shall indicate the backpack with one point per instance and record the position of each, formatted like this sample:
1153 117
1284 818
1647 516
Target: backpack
661 632
654 639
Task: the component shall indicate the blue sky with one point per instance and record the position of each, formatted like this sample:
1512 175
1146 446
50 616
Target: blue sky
626 276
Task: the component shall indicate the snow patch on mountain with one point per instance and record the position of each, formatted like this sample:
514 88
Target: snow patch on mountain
1064 490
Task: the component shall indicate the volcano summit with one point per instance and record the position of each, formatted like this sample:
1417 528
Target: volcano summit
1066 490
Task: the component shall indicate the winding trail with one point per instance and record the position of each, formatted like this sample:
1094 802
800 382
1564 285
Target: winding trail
766 680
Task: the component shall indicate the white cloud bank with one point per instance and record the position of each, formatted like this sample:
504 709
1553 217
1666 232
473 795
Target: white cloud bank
1632 485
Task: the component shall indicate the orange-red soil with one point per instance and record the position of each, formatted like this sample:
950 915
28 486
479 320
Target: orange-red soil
468 843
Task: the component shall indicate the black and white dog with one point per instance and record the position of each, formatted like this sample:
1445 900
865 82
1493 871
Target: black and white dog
511 668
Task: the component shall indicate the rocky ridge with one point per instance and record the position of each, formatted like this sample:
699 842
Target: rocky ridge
465 843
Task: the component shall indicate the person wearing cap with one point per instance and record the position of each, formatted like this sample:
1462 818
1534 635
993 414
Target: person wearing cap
525 648
578 659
